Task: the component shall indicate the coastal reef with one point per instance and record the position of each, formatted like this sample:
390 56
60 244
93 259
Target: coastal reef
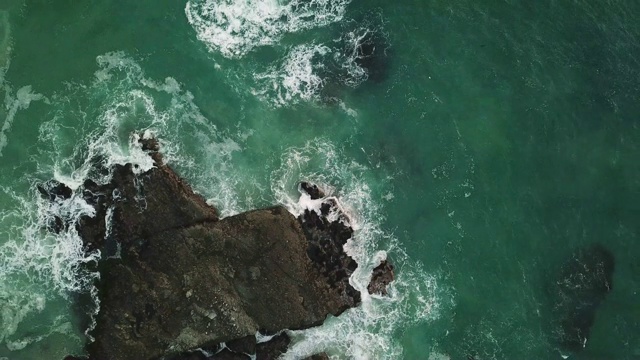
177 282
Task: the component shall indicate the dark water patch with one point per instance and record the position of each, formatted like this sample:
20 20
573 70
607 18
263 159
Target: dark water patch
372 55
583 283
360 56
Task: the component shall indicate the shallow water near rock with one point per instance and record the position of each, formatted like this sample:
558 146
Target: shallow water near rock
488 146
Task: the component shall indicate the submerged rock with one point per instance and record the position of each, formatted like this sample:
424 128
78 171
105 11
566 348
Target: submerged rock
175 278
584 282
371 55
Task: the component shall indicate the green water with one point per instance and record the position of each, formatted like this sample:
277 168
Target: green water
504 136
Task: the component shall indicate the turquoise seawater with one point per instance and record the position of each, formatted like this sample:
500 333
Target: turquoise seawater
495 139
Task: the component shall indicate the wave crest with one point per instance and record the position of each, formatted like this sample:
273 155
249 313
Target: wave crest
235 27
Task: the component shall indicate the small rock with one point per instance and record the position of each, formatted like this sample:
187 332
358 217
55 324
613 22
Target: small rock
312 189
381 277
54 190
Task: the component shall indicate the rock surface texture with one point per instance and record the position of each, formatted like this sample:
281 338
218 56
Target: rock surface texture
175 278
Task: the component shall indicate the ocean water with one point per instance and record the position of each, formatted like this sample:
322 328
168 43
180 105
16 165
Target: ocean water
491 141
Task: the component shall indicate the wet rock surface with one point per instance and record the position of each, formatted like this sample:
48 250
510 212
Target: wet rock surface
175 278
54 190
381 277
326 250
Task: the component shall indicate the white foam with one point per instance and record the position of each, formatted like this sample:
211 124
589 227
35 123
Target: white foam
305 70
235 27
36 266
295 79
355 75
367 331
213 175
23 98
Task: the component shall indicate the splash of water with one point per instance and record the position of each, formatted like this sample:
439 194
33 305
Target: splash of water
235 27
368 331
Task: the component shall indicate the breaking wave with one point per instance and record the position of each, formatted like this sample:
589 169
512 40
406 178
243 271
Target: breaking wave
133 103
370 330
301 70
235 27
305 70
91 128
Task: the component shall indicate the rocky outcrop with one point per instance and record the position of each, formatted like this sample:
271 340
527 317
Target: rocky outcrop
326 246
381 277
175 278
326 240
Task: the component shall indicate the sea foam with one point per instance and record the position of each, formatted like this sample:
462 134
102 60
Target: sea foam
92 127
132 104
370 330
304 70
235 27
295 79
13 103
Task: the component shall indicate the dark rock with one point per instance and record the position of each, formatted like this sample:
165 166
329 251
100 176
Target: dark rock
171 204
326 250
210 282
245 345
585 280
381 277
312 189
227 354
272 349
54 190
93 193
183 279
175 278
55 224
326 246
152 147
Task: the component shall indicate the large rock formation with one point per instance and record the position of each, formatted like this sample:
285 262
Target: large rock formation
175 278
